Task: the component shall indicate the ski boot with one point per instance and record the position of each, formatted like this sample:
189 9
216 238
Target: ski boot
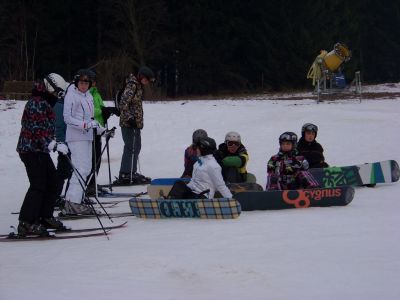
25 228
54 223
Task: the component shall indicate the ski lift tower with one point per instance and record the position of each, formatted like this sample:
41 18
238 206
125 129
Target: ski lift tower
327 76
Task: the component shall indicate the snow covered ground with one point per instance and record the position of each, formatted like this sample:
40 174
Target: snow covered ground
347 252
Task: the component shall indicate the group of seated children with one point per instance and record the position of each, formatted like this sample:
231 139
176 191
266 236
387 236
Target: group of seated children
209 168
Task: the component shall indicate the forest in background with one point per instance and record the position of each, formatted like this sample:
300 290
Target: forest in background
198 47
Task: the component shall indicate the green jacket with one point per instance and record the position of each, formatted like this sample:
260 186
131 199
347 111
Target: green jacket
98 104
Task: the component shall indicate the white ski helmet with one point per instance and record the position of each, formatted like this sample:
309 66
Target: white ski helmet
55 83
233 136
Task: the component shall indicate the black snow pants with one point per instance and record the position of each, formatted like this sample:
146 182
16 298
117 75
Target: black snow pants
42 193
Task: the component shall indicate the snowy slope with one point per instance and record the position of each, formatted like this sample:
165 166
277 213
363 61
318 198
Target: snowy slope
317 253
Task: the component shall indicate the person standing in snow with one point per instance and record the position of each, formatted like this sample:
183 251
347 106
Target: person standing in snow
56 84
207 176
131 122
35 141
191 154
286 170
310 148
233 157
79 117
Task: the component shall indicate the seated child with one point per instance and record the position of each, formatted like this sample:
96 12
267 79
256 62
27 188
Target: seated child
310 148
286 170
207 177
232 156
191 153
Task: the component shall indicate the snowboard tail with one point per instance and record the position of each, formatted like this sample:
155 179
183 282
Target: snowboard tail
221 208
320 197
357 175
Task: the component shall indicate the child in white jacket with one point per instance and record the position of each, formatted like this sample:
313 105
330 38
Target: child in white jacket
78 115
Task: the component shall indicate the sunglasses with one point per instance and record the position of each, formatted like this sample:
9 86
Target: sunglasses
231 143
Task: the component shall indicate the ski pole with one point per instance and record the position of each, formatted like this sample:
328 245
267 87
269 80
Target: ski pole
91 205
133 154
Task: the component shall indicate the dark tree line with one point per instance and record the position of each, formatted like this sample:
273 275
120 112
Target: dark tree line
200 46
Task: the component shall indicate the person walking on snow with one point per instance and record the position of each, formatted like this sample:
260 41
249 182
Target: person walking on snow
35 141
131 122
79 117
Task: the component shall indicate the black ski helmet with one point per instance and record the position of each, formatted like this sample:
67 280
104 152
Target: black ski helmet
309 127
290 137
206 145
82 73
146 72
198 134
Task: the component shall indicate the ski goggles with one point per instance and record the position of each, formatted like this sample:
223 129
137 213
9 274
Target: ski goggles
310 127
287 137
232 143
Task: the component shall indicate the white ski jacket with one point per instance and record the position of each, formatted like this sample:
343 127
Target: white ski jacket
78 112
207 175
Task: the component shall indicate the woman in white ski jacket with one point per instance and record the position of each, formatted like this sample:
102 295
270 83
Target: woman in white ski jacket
78 115
206 176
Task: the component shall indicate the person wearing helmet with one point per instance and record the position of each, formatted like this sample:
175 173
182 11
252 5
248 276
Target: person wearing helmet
286 170
131 123
191 154
207 177
56 85
79 117
310 148
35 142
232 156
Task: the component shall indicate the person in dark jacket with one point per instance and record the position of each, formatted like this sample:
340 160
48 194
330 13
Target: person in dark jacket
310 148
131 122
287 170
233 157
35 141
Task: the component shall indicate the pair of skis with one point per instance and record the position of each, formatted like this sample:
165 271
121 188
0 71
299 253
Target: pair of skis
61 235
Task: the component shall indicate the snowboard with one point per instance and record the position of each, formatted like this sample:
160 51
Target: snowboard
221 208
157 191
357 175
319 197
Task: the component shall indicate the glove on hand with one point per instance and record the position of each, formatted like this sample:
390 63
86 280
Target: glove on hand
62 148
232 161
91 124
52 145
109 133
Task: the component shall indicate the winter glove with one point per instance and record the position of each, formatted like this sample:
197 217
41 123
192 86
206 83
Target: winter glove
62 148
91 124
52 145
132 123
109 133
232 161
